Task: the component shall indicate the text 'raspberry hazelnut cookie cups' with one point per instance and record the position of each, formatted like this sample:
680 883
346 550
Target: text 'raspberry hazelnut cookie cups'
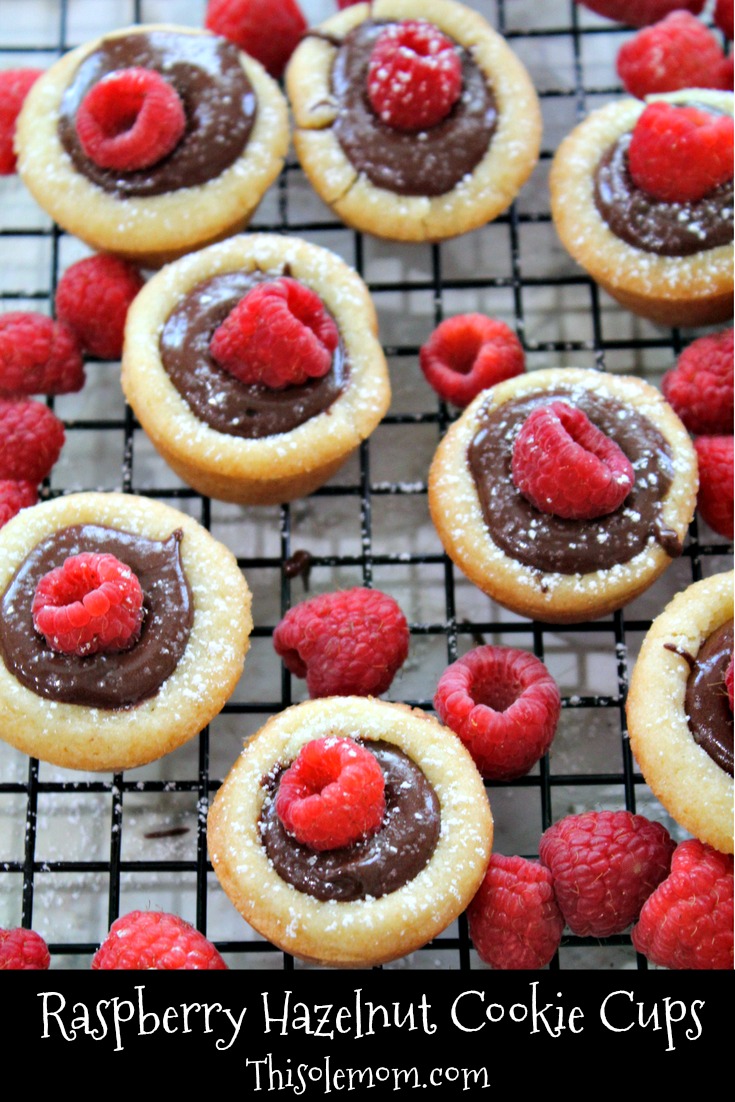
123 630
254 367
152 141
413 867
414 120
564 493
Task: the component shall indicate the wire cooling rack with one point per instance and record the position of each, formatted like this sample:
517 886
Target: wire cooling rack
78 849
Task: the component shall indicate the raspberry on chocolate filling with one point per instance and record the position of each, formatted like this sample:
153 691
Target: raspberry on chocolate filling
706 702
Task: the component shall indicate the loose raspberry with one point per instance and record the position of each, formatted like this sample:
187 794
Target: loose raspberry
504 705
91 604
700 387
679 52
605 865
351 642
332 795
278 335
153 940
14 87
514 919
93 297
31 439
680 154
23 950
714 498
688 921
414 75
565 465
15 496
38 356
723 17
639 13
469 353
131 119
268 30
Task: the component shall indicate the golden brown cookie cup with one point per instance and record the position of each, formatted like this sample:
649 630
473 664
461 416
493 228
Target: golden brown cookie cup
362 932
490 188
695 791
154 229
557 598
79 737
274 468
684 291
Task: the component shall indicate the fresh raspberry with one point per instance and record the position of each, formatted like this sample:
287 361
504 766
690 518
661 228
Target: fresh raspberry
688 921
679 52
341 4
514 919
351 642
31 439
268 30
14 87
723 17
15 496
639 13
23 950
680 154
605 865
93 297
504 705
91 604
38 356
729 682
278 335
414 75
332 795
565 465
130 119
154 940
469 353
714 498
700 387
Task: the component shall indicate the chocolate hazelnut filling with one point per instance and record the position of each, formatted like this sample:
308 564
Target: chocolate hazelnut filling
706 702
115 680
375 866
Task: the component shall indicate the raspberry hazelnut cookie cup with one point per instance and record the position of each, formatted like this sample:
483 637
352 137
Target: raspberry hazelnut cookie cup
242 442
118 710
418 184
674 264
679 717
338 917
205 187
551 567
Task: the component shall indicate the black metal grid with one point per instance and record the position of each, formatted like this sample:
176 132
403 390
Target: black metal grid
431 274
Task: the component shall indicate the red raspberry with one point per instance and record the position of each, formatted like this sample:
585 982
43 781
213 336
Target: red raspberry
688 921
680 154
130 119
91 604
278 335
700 387
332 795
723 17
714 498
469 353
14 87
414 75
23 950
729 682
38 356
514 919
268 30
15 496
347 643
639 13
679 52
93 297
153 940
504 705
31 439
605 865
565 465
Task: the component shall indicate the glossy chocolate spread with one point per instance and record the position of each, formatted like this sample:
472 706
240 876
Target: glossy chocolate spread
706 701
217 397
428 162
386 861
554 544
109 681
219 102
